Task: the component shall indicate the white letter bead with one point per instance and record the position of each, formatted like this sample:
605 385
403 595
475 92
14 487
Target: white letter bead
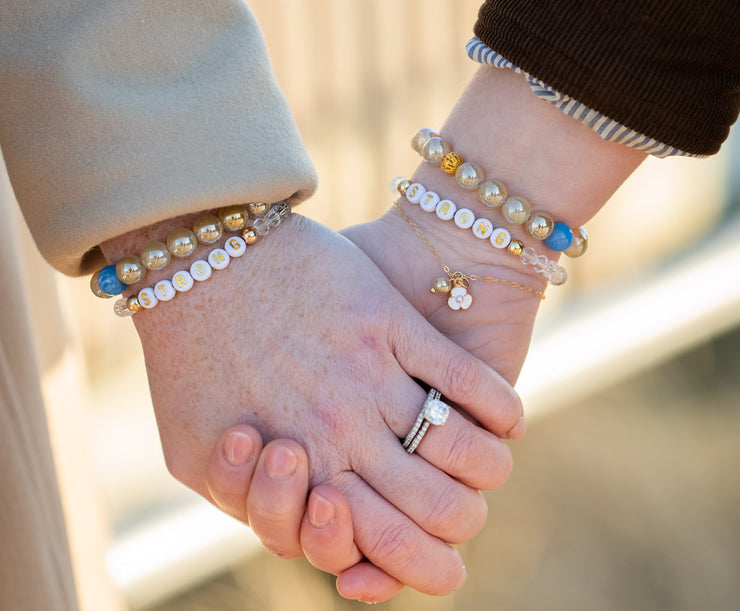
446 210
182 281
414 192
219 258
235 246
200 270
429 201
500 238
147 298
482 228
164 290
464 218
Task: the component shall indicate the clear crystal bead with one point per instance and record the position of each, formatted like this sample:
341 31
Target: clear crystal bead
119 307
261 226
529 256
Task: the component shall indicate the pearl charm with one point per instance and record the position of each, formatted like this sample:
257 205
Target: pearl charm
450 162
516 210
434 149
540 225
233 218
492 193
441 286
130 270
181 242
208 229
155 256
469 175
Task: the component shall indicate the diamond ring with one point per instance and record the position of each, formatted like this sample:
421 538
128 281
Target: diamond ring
434 411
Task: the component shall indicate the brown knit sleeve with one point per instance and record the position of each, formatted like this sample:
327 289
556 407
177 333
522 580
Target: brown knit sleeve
669 69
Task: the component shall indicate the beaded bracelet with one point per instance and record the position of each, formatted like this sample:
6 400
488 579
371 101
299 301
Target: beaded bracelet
482 228
180 243
517 210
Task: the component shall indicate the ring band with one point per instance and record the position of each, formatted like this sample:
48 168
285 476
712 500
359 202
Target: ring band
434 411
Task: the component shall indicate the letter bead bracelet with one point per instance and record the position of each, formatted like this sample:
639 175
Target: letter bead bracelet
517 210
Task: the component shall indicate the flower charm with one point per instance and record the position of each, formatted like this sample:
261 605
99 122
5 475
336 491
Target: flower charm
459 298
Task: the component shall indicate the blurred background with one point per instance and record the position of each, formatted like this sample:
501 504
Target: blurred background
625 493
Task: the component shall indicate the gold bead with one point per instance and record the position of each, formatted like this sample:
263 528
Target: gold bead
208 229
579 245
257 209
540 225
469 175
418 140
129 269
250 235
441 286
181 242
234 218
515 247
516 210
492 193
434 149
155 256
403 185
96 289
132 304
450 162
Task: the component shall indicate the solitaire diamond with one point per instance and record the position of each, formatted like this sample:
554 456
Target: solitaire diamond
437 412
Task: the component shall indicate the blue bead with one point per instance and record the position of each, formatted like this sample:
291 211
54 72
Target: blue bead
561 237
108 282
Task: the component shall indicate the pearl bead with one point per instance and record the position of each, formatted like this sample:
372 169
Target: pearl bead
200 270
446 210
233 218
516 248
434 149
129 269
107 282
257 209
450 162
579 245
464 218
414 193
155 256
132 304
181 242
250 235
469 175
561 237
540 225
419 139
208 229
482 228
429 201
516 210
500 238
492 193
182 281
441 286
147 298
164 291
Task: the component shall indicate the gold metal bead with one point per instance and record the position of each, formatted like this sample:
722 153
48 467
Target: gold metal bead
418 140
130 269
434 149
515 247
492 193
181 242
540 225
208 229
441 286
579 245
516 210
450 162
257 209
96 289
132 304
403 185
250 235
155 256
234 218
469 175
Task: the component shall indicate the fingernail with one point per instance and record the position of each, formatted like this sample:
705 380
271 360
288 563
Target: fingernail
280 463
518 430
238 449
320 511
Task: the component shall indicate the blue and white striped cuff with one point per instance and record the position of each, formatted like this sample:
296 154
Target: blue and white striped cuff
606 128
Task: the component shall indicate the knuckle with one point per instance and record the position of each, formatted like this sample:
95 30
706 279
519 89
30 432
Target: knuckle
398 544
457 517
459 452
461 376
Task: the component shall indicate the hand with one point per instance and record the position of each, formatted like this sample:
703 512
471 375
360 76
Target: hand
317 346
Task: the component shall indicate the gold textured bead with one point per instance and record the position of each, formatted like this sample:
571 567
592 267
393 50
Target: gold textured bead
515 247
181 242
257 209
540 225
469 175
403 185
250 235
233 218
441 286
155 256
516 210
418 140
96 289
132 304
208 229
450 162
492 193
579 245
130 269
434 149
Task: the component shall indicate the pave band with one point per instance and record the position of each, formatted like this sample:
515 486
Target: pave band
434 411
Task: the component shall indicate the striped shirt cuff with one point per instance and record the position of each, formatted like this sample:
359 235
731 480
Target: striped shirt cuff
606 128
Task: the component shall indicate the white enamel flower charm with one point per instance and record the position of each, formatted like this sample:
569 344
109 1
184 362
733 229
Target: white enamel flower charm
459 299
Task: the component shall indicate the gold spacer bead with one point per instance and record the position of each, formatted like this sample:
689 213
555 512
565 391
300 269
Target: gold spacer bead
181 242
441 286
250 235
132 304
208 229
403 185
257 209
450 162
234 218
515 247
129 269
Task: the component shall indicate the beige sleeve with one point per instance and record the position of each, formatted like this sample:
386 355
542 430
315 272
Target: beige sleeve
117 114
